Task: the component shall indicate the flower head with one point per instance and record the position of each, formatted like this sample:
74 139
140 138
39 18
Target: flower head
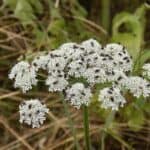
76 68
95 75
91 45
56 81
78 95
41 62
146 69
24 75
111 98
137 86
120 58
72 51
32 112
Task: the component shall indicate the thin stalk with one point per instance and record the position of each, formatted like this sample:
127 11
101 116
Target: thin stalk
105 14
109 120
71 123
86 127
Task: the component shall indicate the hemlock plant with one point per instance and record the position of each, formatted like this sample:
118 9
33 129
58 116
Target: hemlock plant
74 70
89 60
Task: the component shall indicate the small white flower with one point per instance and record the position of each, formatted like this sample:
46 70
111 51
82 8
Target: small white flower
95 75
24 75
78 95
137 86
93 60
76 68
118 57
41 62
146 69
91 45
56 82
72 51
53 60
56 63
32 112
115 76
111 98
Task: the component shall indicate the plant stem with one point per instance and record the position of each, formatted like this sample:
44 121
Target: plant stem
71 123
105 14
109 120
86 126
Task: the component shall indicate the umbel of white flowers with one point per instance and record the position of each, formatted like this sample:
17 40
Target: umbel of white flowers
88 61
32 112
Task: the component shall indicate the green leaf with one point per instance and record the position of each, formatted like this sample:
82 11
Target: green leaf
147 107
56 27
10 3
135 117
24 9
78 10
40 36
132 39
133 30
36 5
145 56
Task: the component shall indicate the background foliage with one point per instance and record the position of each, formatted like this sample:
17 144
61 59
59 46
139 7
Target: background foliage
28 27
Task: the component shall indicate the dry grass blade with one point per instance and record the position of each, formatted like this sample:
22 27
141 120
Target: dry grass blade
9 95
70 139
18 137
33 132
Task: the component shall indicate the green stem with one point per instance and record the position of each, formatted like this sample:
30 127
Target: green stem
105 14
71 123
109 120
86 127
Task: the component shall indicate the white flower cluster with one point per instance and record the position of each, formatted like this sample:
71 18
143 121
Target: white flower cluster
89 61
32 112
146 71
111 98
78 94
137 86
24 75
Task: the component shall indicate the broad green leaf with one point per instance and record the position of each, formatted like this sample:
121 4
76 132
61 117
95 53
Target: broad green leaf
40 36
132 40
133 30
10 3
25 9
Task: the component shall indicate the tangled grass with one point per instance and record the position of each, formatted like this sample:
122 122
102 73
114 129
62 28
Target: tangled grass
25 37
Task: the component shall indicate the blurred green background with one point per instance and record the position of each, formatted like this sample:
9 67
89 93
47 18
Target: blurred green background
28 27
